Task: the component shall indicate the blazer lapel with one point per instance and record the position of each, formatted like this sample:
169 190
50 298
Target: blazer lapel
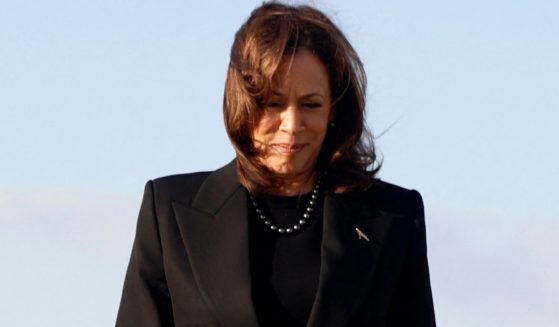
214 229
215 233
347 261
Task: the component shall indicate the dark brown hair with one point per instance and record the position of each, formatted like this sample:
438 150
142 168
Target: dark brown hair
272 32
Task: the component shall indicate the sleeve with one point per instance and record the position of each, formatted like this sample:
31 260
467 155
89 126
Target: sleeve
412 304
145 297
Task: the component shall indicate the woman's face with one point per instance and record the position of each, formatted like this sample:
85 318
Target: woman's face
293 124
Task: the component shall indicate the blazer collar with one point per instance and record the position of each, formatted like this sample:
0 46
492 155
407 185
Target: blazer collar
348 262
215 233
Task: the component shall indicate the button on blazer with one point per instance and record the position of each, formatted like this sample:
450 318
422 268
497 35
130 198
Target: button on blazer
190 259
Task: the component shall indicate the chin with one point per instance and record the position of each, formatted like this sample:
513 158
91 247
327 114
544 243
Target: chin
290 169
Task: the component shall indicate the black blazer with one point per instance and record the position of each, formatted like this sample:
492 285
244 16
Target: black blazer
190 259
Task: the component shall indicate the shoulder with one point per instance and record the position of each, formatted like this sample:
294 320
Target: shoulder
393 198
178 187
185 188
180 180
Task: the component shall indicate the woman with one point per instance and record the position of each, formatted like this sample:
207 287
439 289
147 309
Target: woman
297 231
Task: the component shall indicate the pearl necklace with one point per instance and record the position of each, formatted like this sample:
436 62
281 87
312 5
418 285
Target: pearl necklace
296 227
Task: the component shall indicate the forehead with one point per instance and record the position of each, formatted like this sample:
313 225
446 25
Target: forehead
303 69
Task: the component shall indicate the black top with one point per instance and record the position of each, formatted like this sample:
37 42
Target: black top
284 268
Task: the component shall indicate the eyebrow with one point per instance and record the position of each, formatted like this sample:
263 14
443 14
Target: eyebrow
308 95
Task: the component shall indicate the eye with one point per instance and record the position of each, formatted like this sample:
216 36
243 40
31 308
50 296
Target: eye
312 105
274 105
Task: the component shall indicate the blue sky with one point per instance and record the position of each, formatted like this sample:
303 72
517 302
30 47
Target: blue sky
97 97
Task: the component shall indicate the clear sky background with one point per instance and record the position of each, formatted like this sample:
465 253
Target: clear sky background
97 97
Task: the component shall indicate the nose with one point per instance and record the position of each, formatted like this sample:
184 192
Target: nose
291 120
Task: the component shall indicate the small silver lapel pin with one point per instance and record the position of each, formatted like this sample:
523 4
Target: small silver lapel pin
361 235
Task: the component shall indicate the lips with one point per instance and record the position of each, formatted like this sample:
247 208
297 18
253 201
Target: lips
289 149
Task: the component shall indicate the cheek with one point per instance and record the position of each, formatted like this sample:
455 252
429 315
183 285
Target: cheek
320 126
266 127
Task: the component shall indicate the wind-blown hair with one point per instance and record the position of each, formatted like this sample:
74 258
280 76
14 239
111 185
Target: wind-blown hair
272 33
